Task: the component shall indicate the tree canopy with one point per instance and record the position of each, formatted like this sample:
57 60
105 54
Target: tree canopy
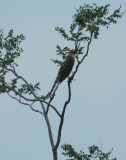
85 27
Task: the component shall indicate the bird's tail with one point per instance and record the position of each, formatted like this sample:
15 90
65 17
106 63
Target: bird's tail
53 87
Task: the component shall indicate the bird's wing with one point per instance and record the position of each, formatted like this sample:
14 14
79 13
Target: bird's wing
65 69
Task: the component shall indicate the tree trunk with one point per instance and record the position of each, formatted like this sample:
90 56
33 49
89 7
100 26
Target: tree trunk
55 156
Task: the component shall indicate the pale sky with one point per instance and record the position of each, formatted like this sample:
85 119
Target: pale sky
97 112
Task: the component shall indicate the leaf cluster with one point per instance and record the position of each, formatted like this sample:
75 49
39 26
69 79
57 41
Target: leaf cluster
27 89
94 153
9 50
91 17
86 24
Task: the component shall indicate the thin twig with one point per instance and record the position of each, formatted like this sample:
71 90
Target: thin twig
24 103
24 80
79 62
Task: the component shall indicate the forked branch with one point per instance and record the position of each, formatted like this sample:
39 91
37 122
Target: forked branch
62 116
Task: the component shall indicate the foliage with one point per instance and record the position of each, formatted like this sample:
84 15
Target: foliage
86 25
10 50
94 153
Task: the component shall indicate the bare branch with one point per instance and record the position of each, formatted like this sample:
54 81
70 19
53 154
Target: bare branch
48 125
62 116
87 48
55 110
30 105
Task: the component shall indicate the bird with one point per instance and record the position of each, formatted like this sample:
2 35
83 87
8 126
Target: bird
65 69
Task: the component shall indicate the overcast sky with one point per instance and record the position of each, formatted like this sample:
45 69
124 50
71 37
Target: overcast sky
97 112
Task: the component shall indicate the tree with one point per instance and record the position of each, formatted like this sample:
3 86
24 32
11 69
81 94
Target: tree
85 27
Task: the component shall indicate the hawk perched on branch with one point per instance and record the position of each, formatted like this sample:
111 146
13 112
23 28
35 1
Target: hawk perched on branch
65 69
